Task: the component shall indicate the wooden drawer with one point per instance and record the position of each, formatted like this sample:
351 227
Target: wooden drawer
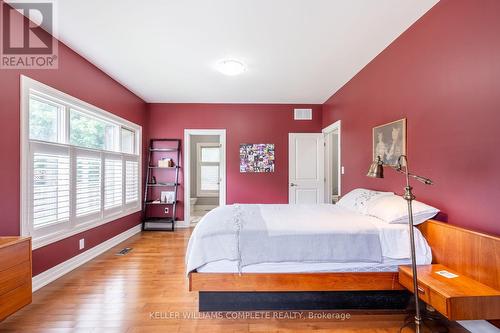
439 302
14 300
407 281
15 277
15 274
14 254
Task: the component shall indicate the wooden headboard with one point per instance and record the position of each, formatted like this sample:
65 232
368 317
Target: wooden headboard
471 253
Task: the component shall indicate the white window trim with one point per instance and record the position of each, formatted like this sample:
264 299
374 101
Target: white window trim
27 84
199 191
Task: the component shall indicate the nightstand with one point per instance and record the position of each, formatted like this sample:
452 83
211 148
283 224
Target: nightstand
455 296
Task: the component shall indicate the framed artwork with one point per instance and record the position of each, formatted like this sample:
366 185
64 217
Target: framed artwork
257 157
389 141
167 197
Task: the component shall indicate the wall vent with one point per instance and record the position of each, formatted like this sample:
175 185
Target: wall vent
124 251
302 114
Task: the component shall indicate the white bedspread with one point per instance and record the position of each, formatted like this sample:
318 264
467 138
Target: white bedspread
216 240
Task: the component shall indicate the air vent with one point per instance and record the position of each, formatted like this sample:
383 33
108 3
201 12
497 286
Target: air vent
303 114
124 251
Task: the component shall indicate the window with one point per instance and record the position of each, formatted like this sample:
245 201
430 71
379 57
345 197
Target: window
128 139
91 132
81 165
44 119
208 174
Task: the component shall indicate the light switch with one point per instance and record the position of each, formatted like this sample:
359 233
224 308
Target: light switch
82 244
342 170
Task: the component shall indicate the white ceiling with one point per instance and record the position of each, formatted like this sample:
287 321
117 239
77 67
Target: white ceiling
297 51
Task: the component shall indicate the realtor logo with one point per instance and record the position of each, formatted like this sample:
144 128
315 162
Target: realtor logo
27 27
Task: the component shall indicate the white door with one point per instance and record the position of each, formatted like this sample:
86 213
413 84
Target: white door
306 168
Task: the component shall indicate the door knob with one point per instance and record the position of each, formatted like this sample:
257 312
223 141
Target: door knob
293 184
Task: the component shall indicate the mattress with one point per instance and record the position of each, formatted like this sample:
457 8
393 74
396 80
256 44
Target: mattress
231 266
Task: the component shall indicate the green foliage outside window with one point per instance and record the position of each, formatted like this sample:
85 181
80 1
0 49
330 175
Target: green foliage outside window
43 121
84 130
87 131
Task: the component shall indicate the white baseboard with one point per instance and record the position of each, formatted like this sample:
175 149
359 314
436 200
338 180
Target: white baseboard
181 224
478 326
203 207
56 272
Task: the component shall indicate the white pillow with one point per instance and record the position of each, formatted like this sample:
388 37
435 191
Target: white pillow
357 200
394 209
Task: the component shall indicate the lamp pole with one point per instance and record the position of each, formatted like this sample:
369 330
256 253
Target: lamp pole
377 171
409 197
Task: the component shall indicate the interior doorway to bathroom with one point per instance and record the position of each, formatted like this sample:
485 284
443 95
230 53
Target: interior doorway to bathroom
204 173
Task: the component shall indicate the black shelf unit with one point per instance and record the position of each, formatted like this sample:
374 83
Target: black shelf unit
169 177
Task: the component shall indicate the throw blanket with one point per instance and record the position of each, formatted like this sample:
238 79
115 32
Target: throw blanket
253 234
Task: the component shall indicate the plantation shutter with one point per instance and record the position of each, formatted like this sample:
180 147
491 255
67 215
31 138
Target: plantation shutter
209 177
208 169
131 181
88 184
113 183
50 185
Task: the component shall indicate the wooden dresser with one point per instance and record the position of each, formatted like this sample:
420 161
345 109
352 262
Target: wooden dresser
15 274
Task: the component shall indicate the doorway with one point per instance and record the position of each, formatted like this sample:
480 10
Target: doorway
204 173
333 166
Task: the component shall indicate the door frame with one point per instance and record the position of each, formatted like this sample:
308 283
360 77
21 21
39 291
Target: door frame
221 133
336 126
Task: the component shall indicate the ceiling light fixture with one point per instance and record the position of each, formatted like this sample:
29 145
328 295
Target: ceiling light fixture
231 67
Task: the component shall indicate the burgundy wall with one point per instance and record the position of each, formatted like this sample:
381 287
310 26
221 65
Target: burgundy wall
443 75
245 123
81 79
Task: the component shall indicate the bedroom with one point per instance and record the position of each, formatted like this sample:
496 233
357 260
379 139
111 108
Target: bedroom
106 88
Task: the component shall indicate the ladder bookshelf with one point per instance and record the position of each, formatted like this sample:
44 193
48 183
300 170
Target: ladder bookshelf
159 213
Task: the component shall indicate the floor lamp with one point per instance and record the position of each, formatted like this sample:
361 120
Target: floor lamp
377 171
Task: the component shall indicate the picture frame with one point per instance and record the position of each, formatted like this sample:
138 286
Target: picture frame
167 197
257 157
389 141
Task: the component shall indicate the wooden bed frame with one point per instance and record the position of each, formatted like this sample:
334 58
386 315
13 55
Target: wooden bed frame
468 252
293 281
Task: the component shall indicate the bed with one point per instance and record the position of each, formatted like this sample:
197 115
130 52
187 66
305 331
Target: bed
298 239
256 257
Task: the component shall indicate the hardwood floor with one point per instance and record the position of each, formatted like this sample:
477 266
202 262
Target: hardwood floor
146 291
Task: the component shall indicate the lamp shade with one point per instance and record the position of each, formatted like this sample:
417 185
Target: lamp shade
376 169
